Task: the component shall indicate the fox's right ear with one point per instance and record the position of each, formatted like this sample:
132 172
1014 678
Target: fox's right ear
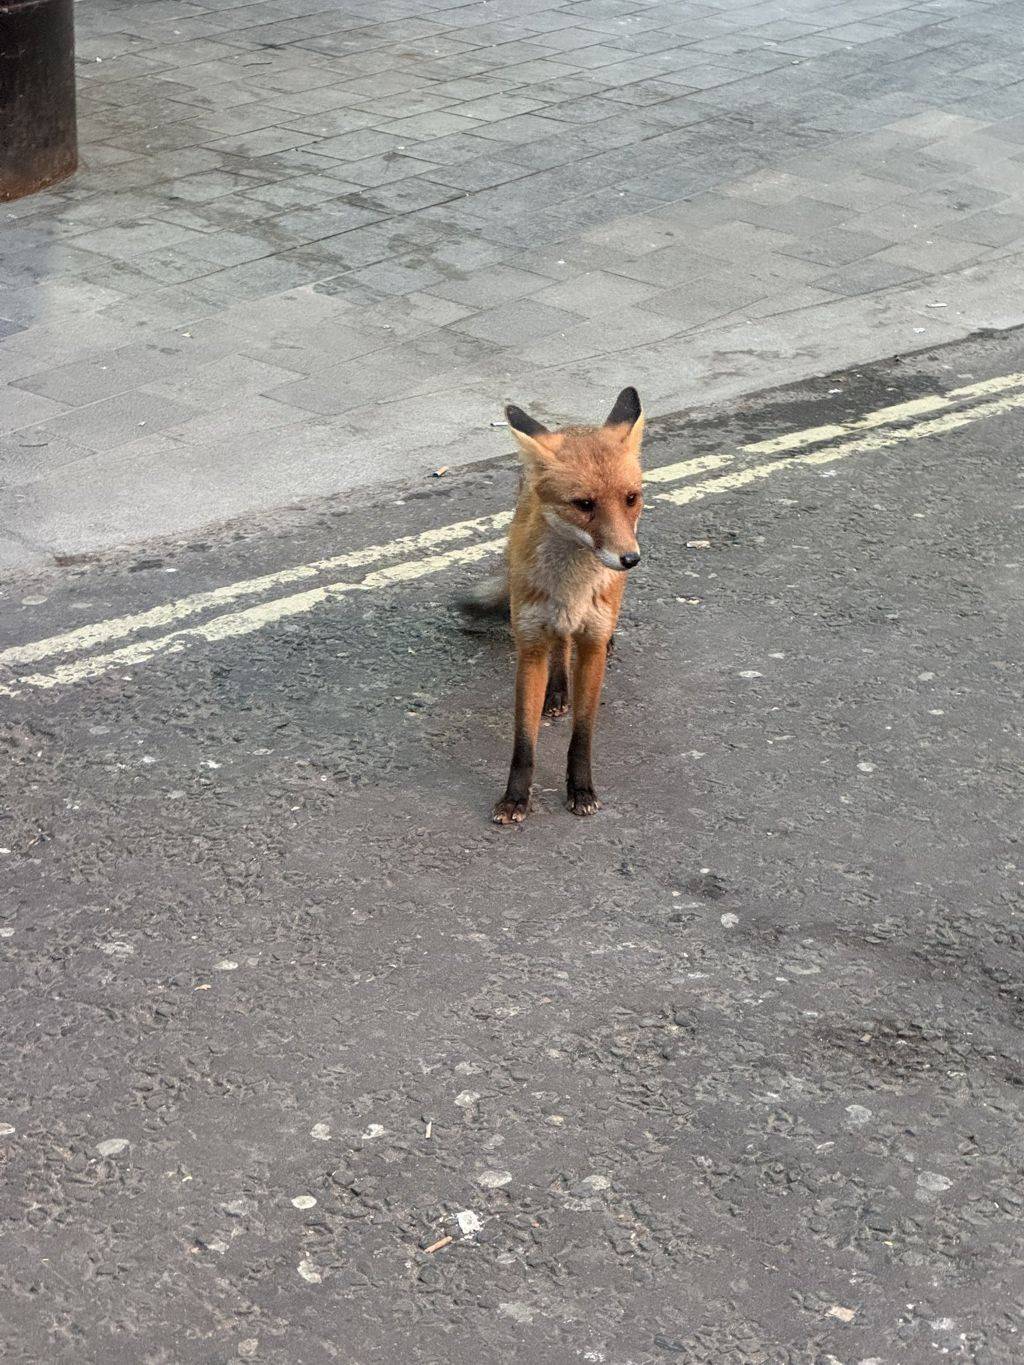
534 438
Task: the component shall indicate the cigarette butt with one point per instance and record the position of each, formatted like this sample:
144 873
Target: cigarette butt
436 1246
430 1128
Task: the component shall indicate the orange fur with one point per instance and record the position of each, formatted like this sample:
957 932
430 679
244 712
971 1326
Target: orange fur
571 539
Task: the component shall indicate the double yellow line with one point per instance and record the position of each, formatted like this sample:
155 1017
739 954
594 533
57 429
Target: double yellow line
419 556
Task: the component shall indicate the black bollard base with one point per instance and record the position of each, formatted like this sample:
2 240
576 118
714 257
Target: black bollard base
38 133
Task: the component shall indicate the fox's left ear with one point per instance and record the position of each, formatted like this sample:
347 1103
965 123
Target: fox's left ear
535 441
628 416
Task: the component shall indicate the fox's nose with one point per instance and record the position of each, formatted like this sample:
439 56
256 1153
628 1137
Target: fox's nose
629 561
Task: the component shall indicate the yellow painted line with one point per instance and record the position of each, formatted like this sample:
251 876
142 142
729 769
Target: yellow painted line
670 473
883 417
936 426
232 624
156 618
168 614
406 548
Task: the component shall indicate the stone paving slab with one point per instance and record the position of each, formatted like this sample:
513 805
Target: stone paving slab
564 197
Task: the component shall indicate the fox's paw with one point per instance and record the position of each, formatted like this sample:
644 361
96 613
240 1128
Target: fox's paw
556 702
509 812
582 801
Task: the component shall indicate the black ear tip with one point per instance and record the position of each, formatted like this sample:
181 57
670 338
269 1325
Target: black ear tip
627 408
522 422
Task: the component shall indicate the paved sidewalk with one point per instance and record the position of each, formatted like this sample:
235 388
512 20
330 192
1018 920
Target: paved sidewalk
316 244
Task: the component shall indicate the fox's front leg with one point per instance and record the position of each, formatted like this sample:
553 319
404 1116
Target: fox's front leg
588 675
556 699
532 662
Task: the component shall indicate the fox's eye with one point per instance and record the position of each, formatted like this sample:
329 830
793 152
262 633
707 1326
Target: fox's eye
631 499
584 504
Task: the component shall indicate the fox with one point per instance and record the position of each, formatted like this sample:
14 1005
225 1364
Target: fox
571 546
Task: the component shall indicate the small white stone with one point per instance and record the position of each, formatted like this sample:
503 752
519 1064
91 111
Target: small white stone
750 673
248 1348
518 1312
321 1132
932 1181
469 1222
843 1314
112 1146
225 965
494 1180
7 1130
729 920
865 767
117 948
32 601
857 1114
466 1099
304 1201
6 932
374 1130
309 1272
925 677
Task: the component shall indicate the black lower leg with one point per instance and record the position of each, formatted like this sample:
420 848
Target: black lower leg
579 782
520 774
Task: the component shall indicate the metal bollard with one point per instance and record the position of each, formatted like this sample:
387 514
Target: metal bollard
38 133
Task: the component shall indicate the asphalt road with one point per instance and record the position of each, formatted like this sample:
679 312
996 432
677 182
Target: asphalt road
731 1072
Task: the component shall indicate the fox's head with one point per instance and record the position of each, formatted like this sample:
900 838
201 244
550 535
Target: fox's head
588 479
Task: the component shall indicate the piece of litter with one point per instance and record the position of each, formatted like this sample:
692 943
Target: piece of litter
729 921
918 329
698 544
499 424
466 1098
321 1132
111 1146
428 1132
750 673
865 767
304 1201
857 1114
309 1272
835 390
938 305
469 1222
494 1180
7 1130
440 473
374 1130
441 1242
843 1314
204 987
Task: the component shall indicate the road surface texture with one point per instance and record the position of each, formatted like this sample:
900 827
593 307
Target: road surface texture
305 1061
313 239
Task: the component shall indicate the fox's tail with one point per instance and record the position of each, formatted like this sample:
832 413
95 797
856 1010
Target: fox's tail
487 599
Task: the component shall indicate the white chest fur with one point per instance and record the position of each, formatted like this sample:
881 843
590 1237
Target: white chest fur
568 579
